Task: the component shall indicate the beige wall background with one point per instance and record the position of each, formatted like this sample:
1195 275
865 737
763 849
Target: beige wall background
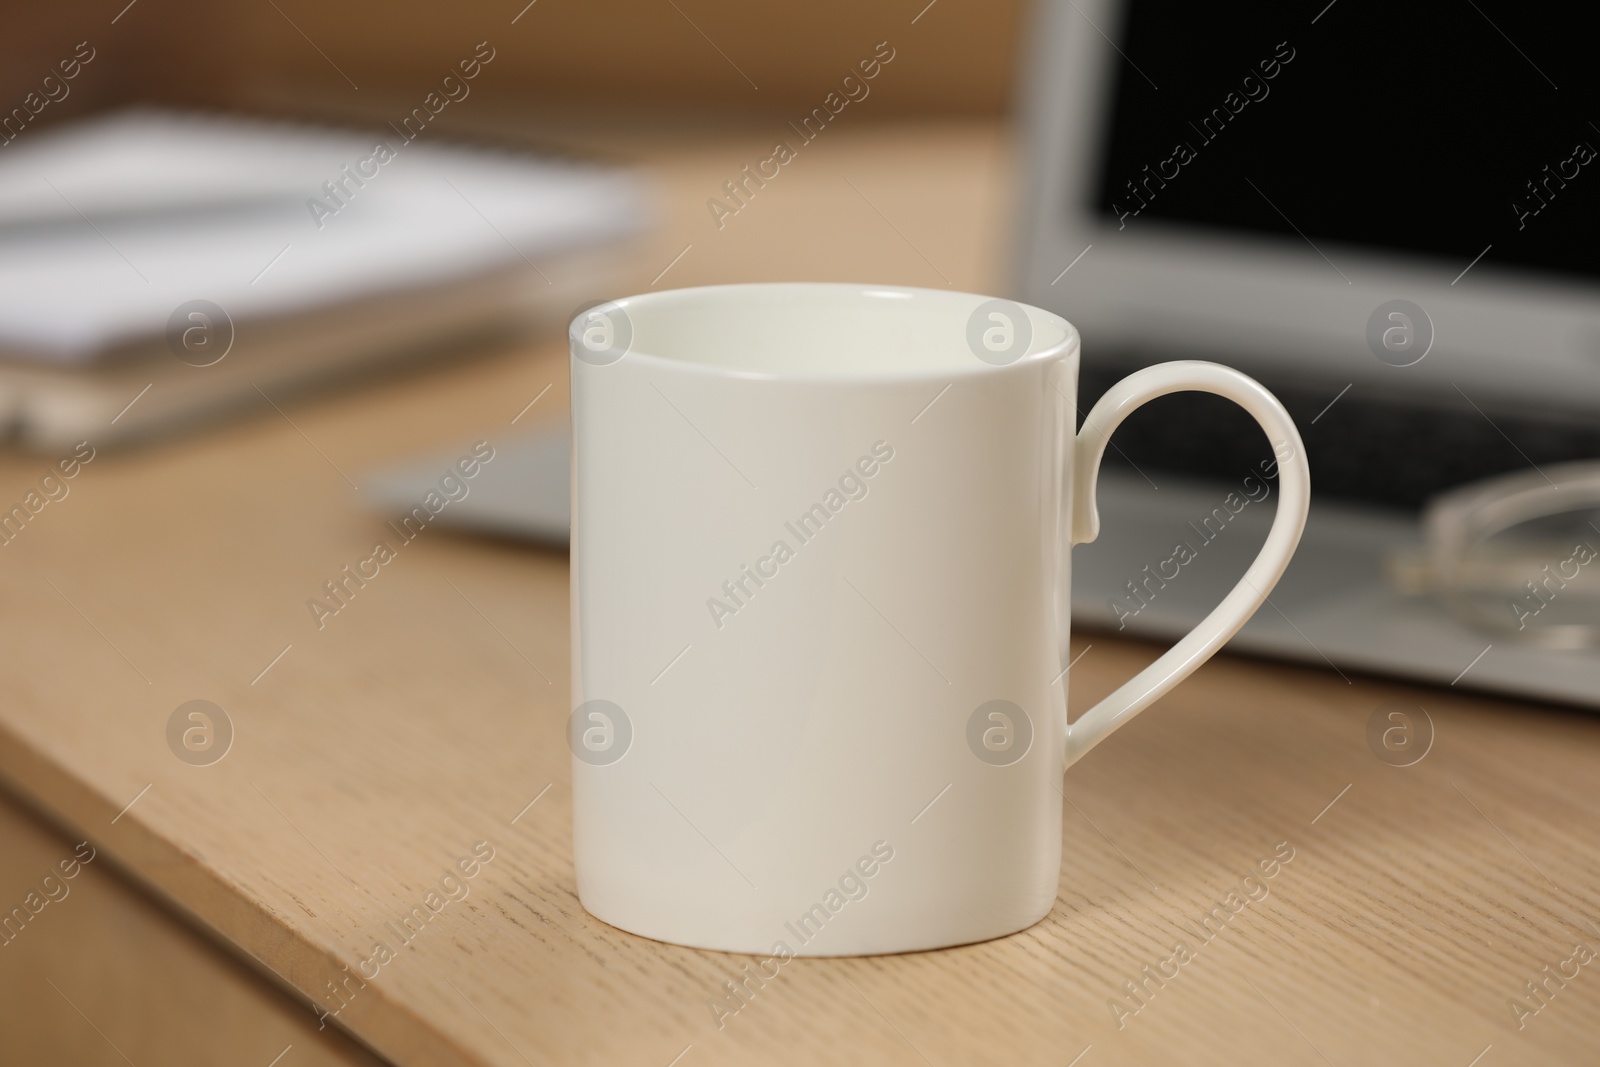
360 57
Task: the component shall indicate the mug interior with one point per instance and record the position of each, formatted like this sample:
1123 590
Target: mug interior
826 330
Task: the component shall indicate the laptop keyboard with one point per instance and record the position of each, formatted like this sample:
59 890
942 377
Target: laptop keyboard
1369 449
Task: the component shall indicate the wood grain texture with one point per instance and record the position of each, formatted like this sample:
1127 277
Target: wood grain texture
428 714
88 956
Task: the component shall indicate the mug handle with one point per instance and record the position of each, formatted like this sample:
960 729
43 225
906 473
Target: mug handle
1294 485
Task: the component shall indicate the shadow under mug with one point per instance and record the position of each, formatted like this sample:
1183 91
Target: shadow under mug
820 558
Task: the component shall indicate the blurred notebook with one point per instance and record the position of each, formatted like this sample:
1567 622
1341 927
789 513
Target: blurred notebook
138 246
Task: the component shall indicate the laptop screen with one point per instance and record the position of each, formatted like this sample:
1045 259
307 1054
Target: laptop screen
1465 132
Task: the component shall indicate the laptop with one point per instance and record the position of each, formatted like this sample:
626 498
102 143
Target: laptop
1387 215
1377 211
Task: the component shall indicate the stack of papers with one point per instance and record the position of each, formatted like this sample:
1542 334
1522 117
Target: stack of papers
211 257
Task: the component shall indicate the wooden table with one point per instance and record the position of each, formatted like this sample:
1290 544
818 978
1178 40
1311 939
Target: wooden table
226 903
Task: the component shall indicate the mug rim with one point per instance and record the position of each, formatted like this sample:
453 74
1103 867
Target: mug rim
1068 347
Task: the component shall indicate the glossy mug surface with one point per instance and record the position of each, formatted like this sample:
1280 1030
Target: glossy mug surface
820 554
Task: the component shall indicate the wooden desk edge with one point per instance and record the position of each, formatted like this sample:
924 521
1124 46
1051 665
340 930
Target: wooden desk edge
242 927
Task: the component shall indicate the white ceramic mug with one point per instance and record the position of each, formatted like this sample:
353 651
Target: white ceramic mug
820 548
